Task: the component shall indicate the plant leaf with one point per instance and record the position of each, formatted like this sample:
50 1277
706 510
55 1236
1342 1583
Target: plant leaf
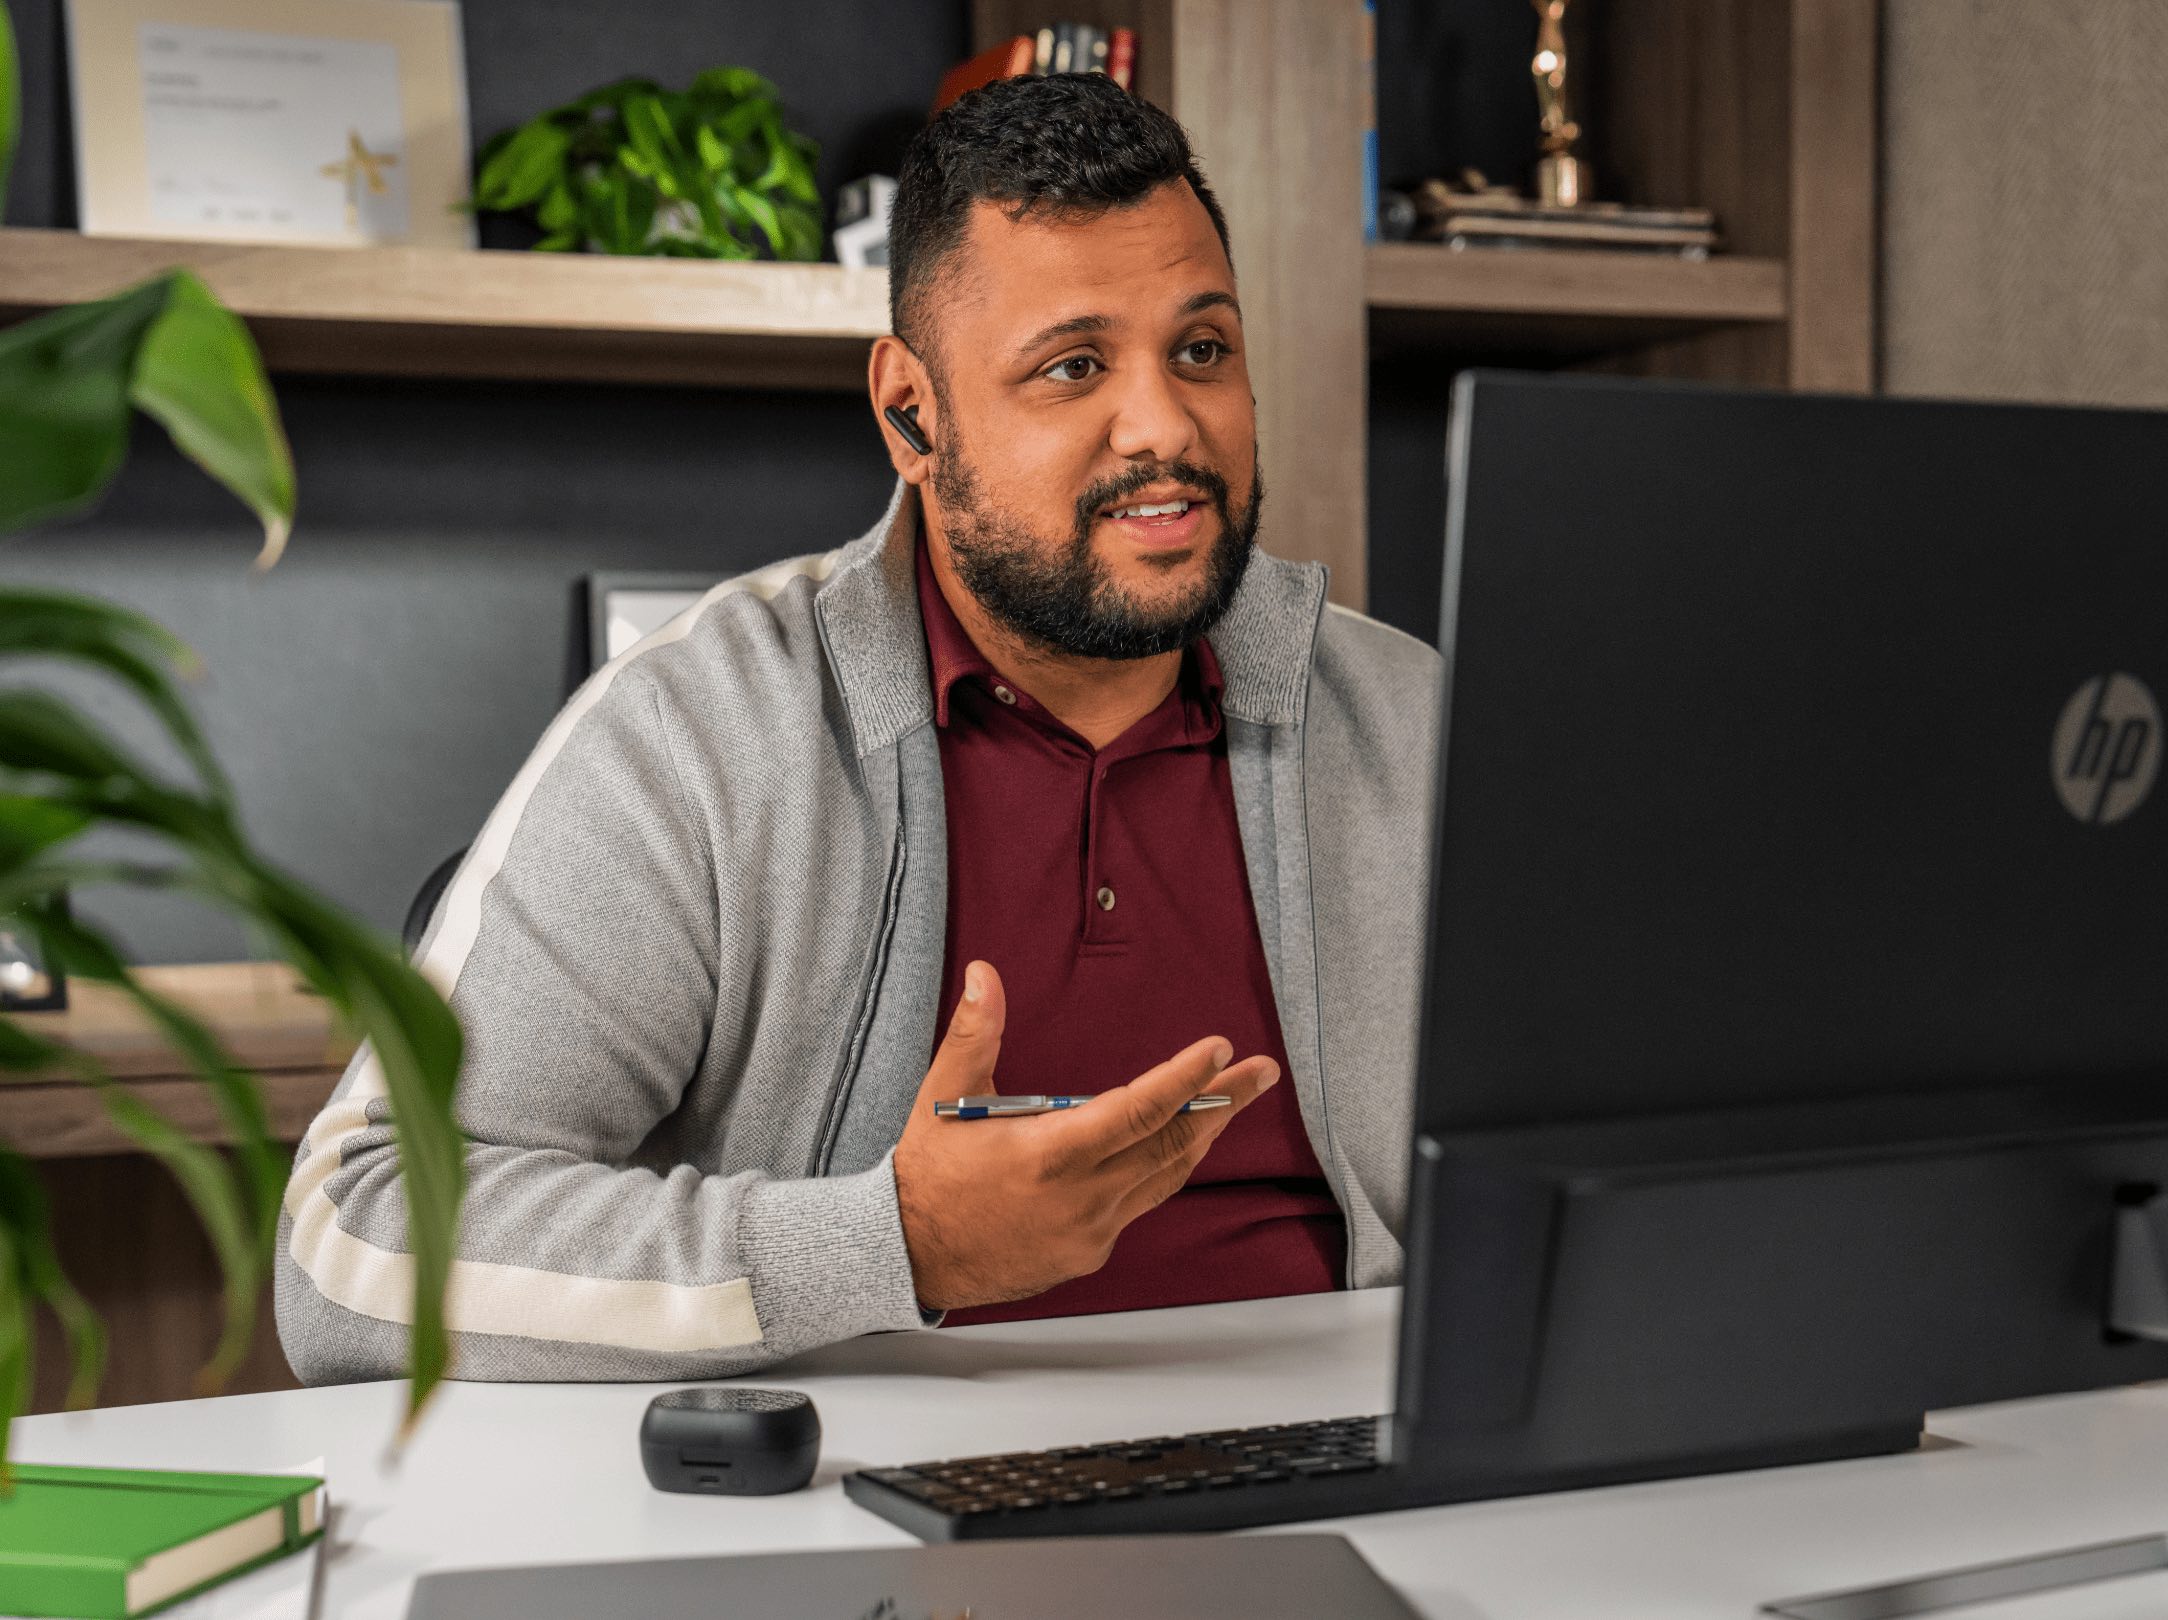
198 373
524 166
17 1335
40 733
125 645
64 403
613 96
801 232
713 157
763 215
25 1053
733 84
29 826
214 1192
557 210
11 100
648 129
417 1040
82 951
40 1279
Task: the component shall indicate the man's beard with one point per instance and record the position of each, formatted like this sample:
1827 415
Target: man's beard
1062 598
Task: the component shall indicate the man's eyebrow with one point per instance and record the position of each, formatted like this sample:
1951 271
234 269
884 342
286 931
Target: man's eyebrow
1075 326
1078 325
1212 300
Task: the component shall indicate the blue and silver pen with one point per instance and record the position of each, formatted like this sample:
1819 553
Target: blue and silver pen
1004 1107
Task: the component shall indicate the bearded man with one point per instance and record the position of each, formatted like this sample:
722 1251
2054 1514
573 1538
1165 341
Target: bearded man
1055 767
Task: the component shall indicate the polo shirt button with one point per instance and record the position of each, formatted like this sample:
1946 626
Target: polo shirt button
1003 693
1106 899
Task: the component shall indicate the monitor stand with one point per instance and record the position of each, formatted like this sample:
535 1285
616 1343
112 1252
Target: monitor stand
1980 1583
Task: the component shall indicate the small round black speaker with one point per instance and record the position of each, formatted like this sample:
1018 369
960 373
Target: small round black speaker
728 1441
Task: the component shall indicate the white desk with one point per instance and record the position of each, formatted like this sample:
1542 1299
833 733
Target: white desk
550 1473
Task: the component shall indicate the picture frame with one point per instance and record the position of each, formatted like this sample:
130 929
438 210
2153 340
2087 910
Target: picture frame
27 983
625 606
337 123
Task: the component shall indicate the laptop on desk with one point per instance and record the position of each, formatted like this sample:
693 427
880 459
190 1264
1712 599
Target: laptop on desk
1795 1051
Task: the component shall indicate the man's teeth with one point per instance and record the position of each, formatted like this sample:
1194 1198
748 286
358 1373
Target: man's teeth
1165 509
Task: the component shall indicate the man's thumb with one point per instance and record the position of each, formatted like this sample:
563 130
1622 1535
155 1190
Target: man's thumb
964 1064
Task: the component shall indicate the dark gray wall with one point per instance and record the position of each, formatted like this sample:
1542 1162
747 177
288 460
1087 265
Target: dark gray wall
375 692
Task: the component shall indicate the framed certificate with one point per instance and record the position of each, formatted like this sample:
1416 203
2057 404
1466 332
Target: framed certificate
622 608
338 122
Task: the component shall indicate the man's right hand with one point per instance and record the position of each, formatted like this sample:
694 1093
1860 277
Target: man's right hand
1001 1209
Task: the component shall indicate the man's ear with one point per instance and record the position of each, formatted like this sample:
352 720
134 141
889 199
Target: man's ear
897 381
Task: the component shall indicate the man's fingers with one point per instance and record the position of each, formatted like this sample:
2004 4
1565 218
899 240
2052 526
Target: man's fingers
1122 1115
1184 1139
963 1066
1153 1191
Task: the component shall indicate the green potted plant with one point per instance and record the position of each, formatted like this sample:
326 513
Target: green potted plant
70 382
708 172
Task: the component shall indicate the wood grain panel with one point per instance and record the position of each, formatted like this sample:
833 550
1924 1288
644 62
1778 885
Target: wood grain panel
1764 110
414 311
267 1017
131 1242
1695 98
67 1121
1834 176
1271 93
1410 275
264 1012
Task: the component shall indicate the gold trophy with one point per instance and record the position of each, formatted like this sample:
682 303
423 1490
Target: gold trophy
1561 178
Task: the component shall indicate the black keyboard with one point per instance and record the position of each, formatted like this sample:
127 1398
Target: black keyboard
1225 1480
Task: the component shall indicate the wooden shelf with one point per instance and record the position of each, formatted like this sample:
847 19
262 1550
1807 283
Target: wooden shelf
270 1022
1559 305
417 312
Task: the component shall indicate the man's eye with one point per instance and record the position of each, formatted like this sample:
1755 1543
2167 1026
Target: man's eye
1059 371
1204 351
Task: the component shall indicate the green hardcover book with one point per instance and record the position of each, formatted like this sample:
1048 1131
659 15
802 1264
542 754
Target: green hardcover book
112 1543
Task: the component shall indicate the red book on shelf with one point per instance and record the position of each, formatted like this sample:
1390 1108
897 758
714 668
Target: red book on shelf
1122 56
1004 61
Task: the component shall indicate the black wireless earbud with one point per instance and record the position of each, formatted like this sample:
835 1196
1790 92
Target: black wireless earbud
904 419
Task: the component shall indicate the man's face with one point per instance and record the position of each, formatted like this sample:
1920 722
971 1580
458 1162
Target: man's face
1086 368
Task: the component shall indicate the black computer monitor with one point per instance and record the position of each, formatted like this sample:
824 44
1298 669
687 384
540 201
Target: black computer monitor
1795 1055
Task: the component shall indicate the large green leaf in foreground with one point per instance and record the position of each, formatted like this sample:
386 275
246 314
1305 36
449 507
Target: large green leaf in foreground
71 380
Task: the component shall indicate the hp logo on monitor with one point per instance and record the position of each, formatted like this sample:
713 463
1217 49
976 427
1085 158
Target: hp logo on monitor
2107 748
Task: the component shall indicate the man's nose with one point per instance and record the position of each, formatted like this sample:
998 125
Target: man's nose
1151 421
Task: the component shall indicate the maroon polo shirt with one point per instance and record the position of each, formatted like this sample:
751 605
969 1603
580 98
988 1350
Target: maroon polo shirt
1108 889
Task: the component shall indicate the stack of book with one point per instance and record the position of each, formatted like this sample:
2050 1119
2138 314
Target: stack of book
1056 48
1495 217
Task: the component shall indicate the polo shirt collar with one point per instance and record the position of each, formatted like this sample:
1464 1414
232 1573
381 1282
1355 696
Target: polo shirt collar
872 629
952 656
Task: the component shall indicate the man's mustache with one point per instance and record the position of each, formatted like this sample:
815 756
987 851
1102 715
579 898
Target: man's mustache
1107 492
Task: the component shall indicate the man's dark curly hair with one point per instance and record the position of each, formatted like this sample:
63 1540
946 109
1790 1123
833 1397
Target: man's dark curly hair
1071 145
